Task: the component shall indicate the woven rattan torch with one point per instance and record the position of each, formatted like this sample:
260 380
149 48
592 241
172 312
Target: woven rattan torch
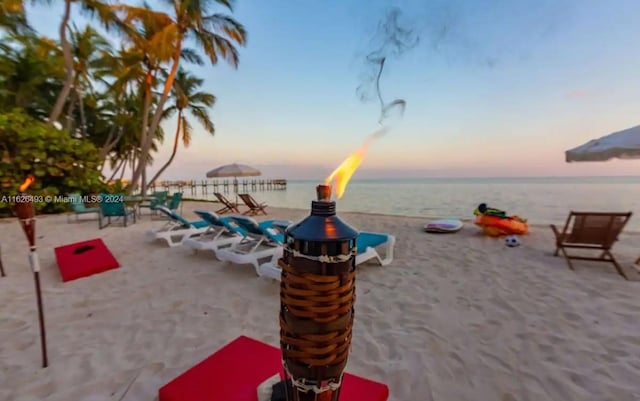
317 296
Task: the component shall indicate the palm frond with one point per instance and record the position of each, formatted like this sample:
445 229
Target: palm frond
215 45
191 56
203 118
186 132
227 25
204 98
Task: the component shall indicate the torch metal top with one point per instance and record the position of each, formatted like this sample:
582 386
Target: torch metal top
322 224
324 193
324 206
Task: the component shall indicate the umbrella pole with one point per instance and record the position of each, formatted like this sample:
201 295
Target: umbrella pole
235 188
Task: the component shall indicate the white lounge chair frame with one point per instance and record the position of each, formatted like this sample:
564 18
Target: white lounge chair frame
236 254
212 240
174 233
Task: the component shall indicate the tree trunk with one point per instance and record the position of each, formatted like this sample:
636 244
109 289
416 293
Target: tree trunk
111 142
117 169
173 153
137 172
133 167
83 120
70 122
155 122
143 178
68 65
124 168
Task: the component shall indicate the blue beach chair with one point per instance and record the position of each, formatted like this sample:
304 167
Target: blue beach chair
112 205
78 207
177 229
263 240
222 232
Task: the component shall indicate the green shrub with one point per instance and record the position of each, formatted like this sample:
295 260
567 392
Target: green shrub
61 164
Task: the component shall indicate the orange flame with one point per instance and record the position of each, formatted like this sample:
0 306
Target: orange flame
391 114
341 175
27 183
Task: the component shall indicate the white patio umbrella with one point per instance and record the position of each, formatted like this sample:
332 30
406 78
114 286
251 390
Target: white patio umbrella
234 170
619 145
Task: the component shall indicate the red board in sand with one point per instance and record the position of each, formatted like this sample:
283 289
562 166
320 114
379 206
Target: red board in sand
234 372
83 259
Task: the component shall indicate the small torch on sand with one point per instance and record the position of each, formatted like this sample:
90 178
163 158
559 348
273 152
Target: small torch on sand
25 211
317 294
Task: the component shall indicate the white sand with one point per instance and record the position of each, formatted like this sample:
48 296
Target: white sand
454 317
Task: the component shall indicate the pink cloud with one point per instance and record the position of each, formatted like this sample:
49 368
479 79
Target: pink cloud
579 94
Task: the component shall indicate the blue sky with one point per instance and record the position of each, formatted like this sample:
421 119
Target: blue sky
507 87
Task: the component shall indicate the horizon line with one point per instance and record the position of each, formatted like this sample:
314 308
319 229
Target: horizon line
426 177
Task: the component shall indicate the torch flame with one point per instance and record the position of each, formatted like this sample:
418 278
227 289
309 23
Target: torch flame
27 183
341 175
391 114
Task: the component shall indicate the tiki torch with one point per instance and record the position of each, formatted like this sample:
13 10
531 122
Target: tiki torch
2 274
25 211
317 295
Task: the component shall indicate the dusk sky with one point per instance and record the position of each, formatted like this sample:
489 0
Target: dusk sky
494 88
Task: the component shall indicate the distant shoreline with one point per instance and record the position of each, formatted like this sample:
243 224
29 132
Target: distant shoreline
505 178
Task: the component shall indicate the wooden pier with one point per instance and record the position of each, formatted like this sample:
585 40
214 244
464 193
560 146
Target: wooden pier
205 188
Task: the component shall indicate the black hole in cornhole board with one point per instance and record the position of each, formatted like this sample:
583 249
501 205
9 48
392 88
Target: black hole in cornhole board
83 249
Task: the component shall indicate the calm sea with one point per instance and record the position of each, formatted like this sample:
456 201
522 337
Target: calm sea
541 200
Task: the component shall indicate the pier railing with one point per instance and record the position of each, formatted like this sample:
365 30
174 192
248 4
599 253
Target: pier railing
209 187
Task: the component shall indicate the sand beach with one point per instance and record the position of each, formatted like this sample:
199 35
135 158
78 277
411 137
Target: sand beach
453 317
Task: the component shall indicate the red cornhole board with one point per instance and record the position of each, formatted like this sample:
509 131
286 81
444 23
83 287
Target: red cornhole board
234 372
76 265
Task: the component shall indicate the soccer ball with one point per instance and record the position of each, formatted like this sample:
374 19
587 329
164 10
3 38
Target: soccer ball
512 241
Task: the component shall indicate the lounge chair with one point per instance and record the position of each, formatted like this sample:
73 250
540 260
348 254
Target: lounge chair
174 202
366 244
158 198
222 232
254 207
228 205
177 229
78 207
591 230
112 205
262 241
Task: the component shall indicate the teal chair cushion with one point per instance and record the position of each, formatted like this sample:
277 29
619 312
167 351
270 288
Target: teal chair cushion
78 206
113 208
365 240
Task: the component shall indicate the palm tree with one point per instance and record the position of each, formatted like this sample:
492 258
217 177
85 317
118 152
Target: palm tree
216 34
13 17
187 99
106 15
150 40
89 49
30 74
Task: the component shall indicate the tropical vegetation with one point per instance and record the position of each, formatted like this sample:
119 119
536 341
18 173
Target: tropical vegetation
100 92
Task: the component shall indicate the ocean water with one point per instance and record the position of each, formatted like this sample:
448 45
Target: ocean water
542 200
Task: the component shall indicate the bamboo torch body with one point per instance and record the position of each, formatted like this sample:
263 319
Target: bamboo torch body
317 296
25 211
2 273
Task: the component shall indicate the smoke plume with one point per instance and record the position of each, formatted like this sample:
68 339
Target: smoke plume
391 40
